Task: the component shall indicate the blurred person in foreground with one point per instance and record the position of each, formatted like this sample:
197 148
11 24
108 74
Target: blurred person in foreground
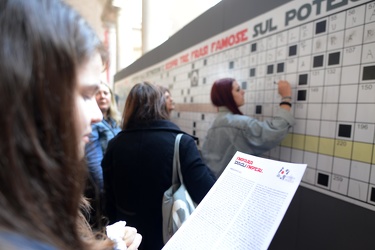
51 64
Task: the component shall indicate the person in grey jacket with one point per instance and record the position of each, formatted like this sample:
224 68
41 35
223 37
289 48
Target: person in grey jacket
232 131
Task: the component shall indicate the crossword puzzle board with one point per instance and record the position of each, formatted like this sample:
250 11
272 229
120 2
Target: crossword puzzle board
326 50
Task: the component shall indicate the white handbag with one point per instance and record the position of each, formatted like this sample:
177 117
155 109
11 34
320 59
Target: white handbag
177 204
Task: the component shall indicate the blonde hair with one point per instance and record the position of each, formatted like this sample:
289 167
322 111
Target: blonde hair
112 111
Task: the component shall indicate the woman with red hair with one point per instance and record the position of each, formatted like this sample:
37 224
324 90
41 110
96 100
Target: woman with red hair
232 131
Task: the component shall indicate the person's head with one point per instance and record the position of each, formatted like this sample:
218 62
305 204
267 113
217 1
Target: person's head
168 99
107 102
50 71
144 104
226 92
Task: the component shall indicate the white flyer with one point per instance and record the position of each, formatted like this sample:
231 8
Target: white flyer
244 208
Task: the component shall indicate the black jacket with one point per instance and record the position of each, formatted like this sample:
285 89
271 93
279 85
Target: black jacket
137 170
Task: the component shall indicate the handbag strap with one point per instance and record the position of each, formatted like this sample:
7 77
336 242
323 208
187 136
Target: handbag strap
176 162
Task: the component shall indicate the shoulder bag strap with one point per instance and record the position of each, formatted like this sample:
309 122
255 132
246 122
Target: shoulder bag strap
176 161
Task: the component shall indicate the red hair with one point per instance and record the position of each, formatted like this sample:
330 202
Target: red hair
221 95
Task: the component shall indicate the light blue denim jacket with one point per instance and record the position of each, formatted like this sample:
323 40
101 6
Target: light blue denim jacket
102 133
230 133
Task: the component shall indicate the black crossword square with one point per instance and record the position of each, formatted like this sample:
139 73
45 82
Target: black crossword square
301 96
323 179
293 50
345 130
318 61
368 73
258 109
244 85
302 80
252 72
253 47
270 69
280 67
334 58
320 27
231 65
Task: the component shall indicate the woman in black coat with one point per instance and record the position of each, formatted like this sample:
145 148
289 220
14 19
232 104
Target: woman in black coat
137 166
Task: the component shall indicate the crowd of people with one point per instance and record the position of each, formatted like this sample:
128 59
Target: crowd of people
137 162
70 164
